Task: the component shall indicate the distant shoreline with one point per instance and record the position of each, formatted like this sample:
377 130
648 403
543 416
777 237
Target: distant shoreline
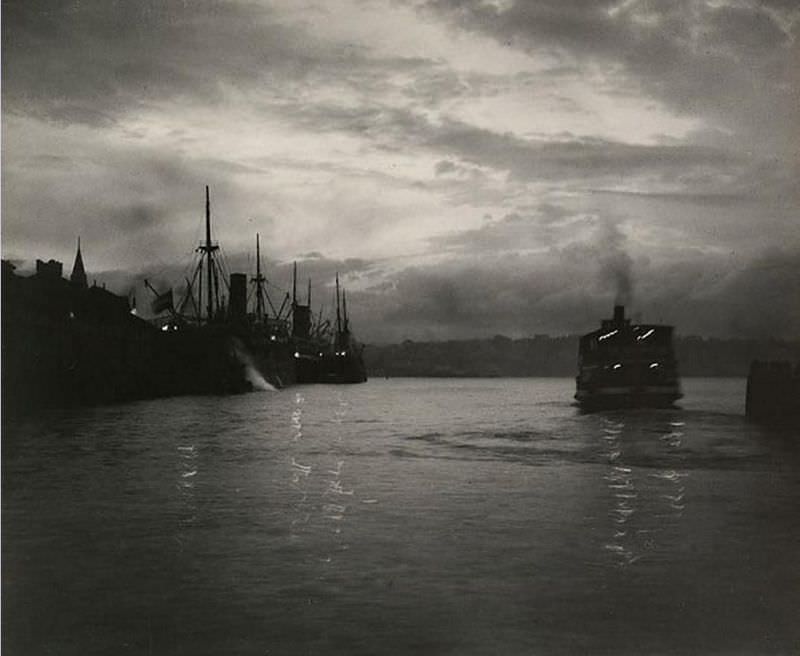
380 376
555 357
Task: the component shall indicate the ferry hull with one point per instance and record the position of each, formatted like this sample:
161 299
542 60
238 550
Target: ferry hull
627 397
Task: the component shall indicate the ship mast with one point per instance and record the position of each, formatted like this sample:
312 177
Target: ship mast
259 280
294 285
338 313
344 310
208 250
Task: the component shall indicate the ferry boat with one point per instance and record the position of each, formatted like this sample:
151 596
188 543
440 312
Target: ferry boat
627 365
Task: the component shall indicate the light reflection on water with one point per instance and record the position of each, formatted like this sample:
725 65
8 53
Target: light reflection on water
187 471
645 504
407 516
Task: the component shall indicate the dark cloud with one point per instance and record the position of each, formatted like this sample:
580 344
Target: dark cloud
719 199
95 144
761 299
434 83
536 159
731 63
546 226
525 295
136 216
92 61
524 159
746 30
445 166
131 204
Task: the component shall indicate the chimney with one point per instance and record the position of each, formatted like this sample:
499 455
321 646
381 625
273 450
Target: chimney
238 297
619 314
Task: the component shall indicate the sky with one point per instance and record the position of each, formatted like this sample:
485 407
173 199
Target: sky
470 167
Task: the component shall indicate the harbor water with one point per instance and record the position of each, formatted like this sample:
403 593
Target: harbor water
403 516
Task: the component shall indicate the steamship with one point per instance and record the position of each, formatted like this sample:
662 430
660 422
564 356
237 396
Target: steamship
343 360
214 346
67 342
235 349
624 364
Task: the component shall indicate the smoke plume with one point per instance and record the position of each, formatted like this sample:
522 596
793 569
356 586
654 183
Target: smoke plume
616 267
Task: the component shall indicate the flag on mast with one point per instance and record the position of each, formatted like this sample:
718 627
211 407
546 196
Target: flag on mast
162 302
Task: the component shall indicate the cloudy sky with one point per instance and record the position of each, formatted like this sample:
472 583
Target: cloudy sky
472 167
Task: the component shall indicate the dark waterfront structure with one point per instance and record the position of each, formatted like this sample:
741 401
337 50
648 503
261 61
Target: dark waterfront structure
773 392
624 364
66 342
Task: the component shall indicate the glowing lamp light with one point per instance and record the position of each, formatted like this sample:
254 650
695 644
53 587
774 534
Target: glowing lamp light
297 354
653 365
272 338
646 335
617 366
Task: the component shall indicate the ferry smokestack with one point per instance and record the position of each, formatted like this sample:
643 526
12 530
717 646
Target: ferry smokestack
619 314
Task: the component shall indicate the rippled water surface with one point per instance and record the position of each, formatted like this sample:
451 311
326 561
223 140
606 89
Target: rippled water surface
402 516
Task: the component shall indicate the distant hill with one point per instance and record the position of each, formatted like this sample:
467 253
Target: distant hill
557 356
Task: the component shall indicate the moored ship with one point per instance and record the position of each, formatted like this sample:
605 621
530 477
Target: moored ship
66 342
226 348
308 340
343 361
624 364
212 343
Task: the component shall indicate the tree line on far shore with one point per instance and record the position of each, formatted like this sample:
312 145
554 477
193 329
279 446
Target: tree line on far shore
557 356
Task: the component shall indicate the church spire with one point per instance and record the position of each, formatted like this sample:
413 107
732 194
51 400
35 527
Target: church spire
78 277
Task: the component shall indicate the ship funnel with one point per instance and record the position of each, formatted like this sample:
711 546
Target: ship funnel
619 314
238 296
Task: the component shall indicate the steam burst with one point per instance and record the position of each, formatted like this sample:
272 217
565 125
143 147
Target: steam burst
251 372
256 379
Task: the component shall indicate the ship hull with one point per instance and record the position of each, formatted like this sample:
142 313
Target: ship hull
213 359
627 397
343 369
307 369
